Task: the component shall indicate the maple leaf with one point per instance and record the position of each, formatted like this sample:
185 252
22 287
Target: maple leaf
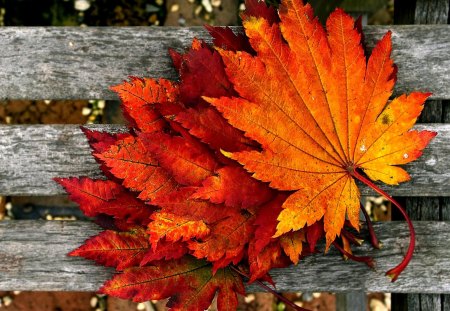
230 230
188 282
227 239
174 228
115 249
187 160
129 160
207 124
224 188
202 62
139 97
292 244
164 250
321 114
97 197
266 222
257 8
225 38
269 257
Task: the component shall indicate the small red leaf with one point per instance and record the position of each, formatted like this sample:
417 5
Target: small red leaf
225 38
314 233
225 261
201 63
106 197
139 97
102 141
187 160
235 187
129 160
258 8
179 203
188 283
266 222
174 228
115 249
207 124
227 239
164 250
261 262
177 59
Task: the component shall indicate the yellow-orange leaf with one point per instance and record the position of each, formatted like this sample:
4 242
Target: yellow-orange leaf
292 244
174 228
320 111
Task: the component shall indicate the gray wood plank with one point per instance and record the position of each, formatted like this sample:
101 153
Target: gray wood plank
354 300
430 302
426 12
445 302
81 63
33 257
428 276
431 12
31 156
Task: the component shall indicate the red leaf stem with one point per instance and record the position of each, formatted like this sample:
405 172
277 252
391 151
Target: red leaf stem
366 259
394 272
270 290
373 237
351 237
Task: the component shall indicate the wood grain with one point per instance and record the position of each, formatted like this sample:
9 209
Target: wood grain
33 256
81 63
431 12
31 156
419 208
352 300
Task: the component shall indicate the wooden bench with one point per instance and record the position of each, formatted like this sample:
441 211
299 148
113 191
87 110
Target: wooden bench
81 63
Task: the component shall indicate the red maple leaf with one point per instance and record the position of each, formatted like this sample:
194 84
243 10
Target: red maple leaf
188 282
115 249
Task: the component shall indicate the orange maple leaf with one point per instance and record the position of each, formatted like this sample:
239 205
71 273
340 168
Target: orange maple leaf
174 228
321 113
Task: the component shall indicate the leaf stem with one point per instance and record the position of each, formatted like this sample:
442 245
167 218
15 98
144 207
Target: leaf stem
272 291
351 237
373 238
366 259
394 272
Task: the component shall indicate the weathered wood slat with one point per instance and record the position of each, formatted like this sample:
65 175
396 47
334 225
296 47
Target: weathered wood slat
424 12
33 256
81 63
352 300
30 156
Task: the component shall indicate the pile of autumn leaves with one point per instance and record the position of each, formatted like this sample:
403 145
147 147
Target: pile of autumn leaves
183 218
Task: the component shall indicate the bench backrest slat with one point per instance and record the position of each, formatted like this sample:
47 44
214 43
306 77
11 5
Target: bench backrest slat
31 156
33 256
82 63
